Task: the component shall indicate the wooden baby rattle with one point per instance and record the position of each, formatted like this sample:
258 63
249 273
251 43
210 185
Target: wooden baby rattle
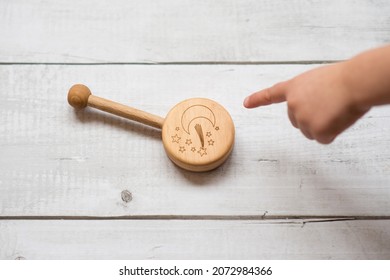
198 133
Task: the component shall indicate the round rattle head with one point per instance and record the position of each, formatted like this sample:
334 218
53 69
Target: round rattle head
78 96
198 134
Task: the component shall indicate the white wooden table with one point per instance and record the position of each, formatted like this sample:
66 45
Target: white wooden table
89 185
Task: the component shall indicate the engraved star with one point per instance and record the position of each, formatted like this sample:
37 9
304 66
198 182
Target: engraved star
193 149
177 128
182 149
217 128
208 134
175 138
188 142
202 151
211 142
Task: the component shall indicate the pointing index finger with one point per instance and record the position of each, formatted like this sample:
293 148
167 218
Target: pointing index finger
274 94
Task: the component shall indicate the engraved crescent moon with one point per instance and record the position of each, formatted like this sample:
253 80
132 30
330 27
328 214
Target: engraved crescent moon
196 112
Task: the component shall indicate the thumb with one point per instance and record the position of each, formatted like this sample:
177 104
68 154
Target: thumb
274 94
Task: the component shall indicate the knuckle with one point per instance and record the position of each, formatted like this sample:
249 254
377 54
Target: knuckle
303 121
323 133
268 95
292 104
326 139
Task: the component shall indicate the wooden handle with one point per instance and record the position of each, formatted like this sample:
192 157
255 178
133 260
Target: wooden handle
80 96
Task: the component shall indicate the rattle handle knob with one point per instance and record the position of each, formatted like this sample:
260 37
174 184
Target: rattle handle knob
80 96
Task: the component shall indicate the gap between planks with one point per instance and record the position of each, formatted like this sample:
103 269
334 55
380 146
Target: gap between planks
298 62
264 217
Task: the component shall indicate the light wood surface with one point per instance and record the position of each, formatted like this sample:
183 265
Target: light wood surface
58 162
172 31
93 186
154 239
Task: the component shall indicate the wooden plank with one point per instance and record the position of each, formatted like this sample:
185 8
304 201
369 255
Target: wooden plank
58 162
194 240
191 30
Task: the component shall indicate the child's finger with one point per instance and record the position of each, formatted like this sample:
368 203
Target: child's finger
274 94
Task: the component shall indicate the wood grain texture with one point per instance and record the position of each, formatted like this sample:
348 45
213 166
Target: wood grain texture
198 134
125 111
55 161
194 240
189 31
87 185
